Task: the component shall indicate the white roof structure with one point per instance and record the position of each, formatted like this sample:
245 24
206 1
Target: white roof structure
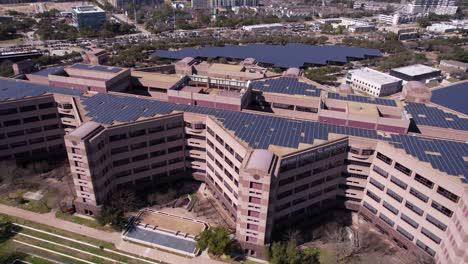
415 70
374 76
87 9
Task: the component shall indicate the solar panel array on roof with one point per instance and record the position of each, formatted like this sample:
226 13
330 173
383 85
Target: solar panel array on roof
47 71
433 116
287 56
362 99
443 155
259 131
95 68
453 97
286 85
16 89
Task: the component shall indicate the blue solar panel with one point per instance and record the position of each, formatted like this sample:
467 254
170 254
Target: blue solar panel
362 99
286 85
259 131
95 68
433 116
290 55
453 97
17 89
47 71
162 239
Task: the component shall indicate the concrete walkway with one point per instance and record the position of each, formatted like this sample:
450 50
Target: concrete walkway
111 237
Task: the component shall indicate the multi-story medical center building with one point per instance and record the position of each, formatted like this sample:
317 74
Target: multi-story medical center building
265 169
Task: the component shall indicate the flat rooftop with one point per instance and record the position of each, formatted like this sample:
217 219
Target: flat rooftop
374 76
362 99
416 70
287 56
286 85
172 223
87 9
257 130
53 70
12 89
99 68
452 97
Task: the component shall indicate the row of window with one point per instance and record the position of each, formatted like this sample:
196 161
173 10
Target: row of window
144 131
15 122
225 145
26 108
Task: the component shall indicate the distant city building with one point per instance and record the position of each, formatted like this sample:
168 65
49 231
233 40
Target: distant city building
263 27
89 17
204 4
95 56
452 66
399 18
352 25
373 82
440 7
417 72
441 28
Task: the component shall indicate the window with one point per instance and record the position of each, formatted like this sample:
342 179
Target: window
119 150
138 145
15 133
376 184
239 158
254 200
387 220
49 116
419 195
442 209
253 213
398 182
380 171
447 194
137 133
430 235
28 108
256 185
12 122
46 105
373 196
315 194
8 111
51 127
174 125
141 169
157 141
284 194
424 181
140 157
394 195
436 222
157 153
18 144
301 188
120 162
384 158
370 208
152 130
54 137
31 119
403 169
210 131
34 130
409 220
174 137
405 233
252 227
176 160
427 249
299 200
36 140
175 149
414 208
390 207
286 181
117 137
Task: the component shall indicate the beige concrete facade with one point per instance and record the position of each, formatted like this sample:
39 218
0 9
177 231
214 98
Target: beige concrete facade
261 190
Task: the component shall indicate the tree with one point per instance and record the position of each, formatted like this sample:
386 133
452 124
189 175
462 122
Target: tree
124 199
424 22
111 216
289 253
216 240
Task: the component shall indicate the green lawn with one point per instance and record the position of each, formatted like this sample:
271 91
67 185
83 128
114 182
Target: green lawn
82 221
15 199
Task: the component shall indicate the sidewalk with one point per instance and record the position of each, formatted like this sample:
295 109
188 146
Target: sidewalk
111 237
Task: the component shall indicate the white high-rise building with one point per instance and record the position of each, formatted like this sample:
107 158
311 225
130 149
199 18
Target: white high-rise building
440 7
